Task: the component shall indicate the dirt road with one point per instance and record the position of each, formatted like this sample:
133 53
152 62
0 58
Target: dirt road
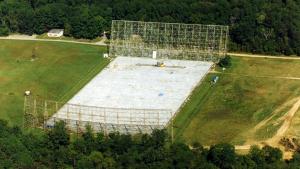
101 43
288 117
263 56
33 38
274 141
261 76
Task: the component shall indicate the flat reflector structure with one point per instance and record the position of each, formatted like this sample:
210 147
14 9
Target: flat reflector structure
169 40
155 69
132 94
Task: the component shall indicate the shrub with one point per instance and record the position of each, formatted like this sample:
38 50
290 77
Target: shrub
225 62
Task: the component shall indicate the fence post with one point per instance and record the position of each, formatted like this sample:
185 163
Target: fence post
34 113
118 123
172 127
68 115
79 118
25 112
105 124
92 119
158 118
45 114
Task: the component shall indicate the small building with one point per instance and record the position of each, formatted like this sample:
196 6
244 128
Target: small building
55 33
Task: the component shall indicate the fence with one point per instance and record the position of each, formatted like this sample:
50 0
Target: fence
45 113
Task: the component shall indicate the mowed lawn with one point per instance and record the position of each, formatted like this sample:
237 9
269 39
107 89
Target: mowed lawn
245 94
56 72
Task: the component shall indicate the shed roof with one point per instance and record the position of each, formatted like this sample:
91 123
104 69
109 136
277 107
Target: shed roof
56 30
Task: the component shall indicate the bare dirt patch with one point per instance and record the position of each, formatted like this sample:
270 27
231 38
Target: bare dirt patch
275 112
287 119
276 140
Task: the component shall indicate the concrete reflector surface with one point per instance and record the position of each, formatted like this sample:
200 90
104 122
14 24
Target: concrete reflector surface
129 85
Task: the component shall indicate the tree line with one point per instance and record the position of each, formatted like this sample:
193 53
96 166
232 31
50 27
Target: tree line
56 148
258 26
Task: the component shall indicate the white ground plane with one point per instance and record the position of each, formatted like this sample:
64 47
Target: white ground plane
132 93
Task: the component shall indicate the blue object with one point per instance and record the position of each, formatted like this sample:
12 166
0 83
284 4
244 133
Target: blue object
160 94
215 79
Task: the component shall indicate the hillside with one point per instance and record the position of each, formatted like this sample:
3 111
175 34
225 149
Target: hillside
248 104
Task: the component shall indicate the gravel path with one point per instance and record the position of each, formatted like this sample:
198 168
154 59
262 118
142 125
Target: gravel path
33 38
101 43
264 56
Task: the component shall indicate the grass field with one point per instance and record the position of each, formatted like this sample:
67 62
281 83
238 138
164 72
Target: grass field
246 94
57 72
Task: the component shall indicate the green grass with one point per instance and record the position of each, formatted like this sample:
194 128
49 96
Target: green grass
57 73
274 123
246 94
267 131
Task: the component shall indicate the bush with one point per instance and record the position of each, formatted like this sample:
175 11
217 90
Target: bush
225 62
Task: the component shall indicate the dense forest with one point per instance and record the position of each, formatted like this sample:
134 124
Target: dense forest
258 26
56 148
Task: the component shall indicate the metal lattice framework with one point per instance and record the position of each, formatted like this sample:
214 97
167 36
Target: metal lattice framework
168 40
37 113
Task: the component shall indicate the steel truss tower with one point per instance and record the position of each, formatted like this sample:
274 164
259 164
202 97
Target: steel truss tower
168 40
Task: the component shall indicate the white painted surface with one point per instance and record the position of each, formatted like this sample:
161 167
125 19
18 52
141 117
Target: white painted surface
135 83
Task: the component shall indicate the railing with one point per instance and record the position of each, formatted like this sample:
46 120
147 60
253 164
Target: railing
45 113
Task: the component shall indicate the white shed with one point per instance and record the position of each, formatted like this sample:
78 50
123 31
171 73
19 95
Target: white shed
55 33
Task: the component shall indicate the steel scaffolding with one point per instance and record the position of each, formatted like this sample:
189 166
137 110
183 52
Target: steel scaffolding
45 113
168 40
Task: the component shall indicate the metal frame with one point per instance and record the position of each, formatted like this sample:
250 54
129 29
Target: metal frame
169 40
37 113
